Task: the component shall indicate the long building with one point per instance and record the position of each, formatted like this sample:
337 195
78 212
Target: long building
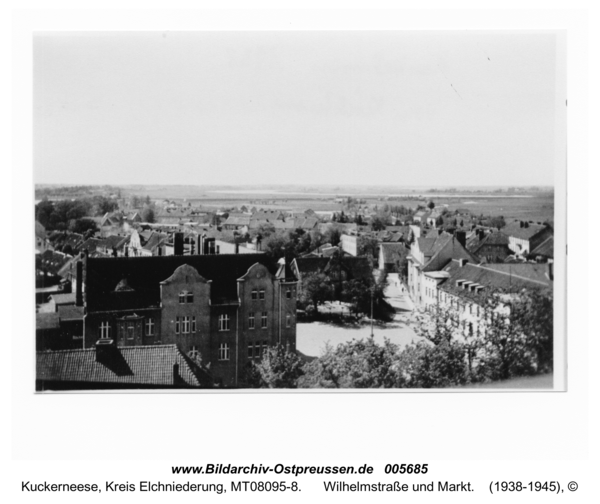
221 310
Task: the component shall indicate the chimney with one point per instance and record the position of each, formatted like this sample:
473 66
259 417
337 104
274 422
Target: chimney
79 285
178 244
237 248
551 270
462 262
105 350
461 237
218 249
176 378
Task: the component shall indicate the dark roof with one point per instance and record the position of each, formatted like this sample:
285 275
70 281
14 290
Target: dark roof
40 231
498 276
307 265
154 240
70 312
237 220
47 321
425 244
144 274
130 366
51 261
515 230
546 248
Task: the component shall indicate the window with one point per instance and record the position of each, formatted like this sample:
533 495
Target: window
193 324
251 320
177 325
186 297
223 352
130 330
150 327
104 330
250 350
261 294
288 320
254 294
186 325
224 322
263 320
288 293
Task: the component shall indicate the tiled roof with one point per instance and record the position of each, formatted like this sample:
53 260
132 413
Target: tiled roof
446 248
425 244
237 220
515 230
151 365
546 248
144 274
154 240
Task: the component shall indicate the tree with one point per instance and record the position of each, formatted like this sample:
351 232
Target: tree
278 368
356 364
148 214
367 246
316 289
423 365
333 234
378 223
83 226
431 205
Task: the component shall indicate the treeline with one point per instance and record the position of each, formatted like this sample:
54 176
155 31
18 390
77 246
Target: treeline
67 215
512 344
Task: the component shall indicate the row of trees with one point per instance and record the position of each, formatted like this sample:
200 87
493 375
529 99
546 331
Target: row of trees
514 343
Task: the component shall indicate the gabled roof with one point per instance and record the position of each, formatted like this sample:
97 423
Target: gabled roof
496 276
425 244
144 274
237 220
515 230
154 240
546 248
447 247
51 261
133 366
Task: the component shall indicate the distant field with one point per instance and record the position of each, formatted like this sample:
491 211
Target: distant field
535 206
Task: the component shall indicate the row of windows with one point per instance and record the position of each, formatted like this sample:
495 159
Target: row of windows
185 325
105 328
256 348
186 297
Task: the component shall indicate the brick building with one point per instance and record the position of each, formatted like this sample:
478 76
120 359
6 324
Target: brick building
222 310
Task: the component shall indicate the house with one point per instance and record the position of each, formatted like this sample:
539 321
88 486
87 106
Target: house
492 248
428 256
349 244
525 236
463 288
237 221
108 366
544 252
224 308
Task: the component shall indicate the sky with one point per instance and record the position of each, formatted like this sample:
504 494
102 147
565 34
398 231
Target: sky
254 108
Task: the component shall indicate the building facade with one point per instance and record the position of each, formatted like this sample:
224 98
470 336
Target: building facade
221 310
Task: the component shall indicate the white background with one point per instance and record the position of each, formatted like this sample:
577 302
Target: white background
469 436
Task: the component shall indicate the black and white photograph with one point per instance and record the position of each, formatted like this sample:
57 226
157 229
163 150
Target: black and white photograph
299 210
